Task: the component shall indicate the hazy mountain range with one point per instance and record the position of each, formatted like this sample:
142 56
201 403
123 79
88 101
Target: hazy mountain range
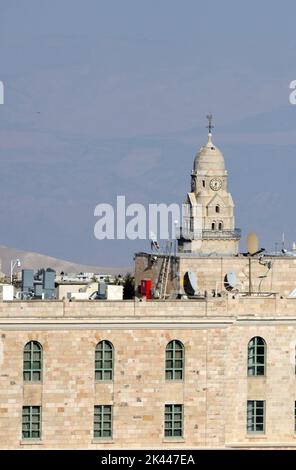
35 261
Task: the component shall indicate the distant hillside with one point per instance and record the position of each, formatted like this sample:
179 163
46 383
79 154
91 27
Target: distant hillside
35 261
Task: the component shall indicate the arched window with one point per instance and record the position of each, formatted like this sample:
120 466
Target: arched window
104 361
174 361
256 356
32 369
220 225
217 208
213 225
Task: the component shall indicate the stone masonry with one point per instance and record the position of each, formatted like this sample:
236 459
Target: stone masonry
214 392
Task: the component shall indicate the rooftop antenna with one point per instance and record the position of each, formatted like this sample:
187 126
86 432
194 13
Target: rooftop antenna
210 125
253 248
283 242
154 242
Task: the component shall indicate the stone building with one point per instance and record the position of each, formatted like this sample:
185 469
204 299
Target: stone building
208 241
213 371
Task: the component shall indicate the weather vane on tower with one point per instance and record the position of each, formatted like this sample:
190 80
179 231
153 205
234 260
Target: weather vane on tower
210 125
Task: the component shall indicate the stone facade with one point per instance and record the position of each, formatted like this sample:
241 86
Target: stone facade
279 276
215 333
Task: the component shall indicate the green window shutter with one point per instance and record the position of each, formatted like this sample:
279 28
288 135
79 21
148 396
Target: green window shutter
31 422
174 361
173 421
104 358
256 356
32 362
255 416
103 421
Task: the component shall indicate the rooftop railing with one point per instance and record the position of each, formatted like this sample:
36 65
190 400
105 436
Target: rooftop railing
234 234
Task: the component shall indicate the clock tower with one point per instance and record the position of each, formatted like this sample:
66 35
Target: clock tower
208 225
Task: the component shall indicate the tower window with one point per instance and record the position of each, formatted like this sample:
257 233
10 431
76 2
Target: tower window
203 183
217 209
213 225
220 226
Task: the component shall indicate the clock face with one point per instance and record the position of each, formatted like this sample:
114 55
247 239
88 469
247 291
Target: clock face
215 184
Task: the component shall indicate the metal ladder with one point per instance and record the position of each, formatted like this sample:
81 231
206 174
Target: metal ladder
164 274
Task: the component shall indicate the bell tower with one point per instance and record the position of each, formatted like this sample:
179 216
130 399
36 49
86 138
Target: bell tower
208 217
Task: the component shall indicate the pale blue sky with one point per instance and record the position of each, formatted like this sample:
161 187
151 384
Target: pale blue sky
94 86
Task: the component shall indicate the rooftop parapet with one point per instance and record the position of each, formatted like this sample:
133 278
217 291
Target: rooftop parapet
175 310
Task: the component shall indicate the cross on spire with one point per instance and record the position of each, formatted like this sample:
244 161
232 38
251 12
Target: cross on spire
210 125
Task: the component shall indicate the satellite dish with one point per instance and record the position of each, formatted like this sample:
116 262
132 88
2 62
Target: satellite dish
252 243
230 280
190 283
292 294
